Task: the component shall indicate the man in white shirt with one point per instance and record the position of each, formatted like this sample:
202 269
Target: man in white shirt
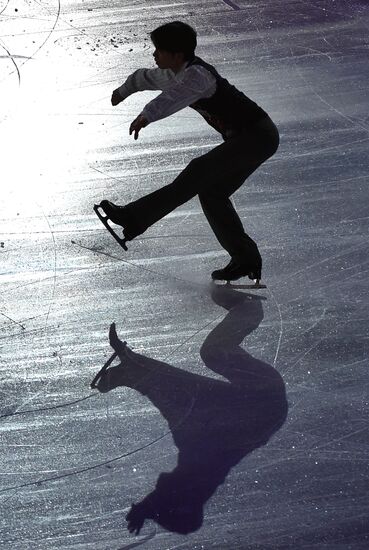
250 138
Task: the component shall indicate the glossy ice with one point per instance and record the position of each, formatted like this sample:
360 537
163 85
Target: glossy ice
237 419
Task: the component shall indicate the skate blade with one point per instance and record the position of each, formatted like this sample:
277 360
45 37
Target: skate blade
255 286
104 220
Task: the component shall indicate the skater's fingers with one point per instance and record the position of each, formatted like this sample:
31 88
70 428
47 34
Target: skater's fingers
132 128
139 123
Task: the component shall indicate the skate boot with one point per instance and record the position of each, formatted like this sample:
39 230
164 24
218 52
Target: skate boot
115 213
119 215
247 263
235 270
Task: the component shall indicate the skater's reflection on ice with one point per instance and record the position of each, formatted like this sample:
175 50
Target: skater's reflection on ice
214 423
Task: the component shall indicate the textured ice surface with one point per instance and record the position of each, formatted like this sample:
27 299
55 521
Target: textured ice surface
238 420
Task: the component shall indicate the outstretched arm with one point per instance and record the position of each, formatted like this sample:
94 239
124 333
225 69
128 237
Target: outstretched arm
143 79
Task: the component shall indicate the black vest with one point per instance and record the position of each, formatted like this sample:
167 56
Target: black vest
228 110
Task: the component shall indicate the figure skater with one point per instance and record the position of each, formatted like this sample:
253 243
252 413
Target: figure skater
249 138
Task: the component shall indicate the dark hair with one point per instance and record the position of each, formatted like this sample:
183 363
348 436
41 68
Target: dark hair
175 37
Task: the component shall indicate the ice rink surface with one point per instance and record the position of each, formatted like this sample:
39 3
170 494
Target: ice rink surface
233 419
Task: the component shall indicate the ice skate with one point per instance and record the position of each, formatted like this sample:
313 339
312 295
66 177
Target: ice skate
117 215
236 269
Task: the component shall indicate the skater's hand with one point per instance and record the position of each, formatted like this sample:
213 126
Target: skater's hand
137 124
116 98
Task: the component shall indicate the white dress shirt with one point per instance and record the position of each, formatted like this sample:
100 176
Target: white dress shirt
178 89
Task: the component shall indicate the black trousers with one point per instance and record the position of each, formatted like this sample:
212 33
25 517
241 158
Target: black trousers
214 177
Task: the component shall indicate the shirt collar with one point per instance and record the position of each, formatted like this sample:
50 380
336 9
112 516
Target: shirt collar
183 67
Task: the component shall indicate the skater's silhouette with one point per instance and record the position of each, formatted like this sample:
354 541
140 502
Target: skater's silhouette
214 423
249 135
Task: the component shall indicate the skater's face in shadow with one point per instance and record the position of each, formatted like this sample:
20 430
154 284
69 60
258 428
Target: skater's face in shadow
215 422
168 60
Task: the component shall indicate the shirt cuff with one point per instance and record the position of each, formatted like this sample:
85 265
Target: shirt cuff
146 114
123 92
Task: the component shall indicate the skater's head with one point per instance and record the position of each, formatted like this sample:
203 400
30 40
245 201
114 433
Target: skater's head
175 43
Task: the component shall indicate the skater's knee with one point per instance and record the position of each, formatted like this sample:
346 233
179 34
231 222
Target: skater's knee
195 161
197 165
205 200
211 195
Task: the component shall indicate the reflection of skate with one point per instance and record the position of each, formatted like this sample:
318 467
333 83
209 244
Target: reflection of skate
102 371
104 220
119 347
